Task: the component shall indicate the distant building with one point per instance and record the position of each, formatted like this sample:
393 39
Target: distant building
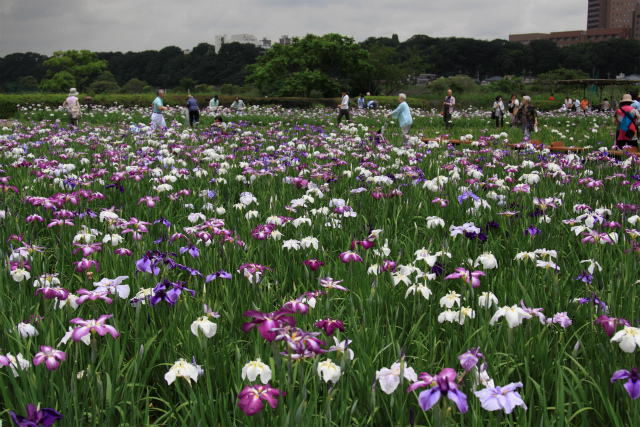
609 14
425 79
490 80
219 40
567 38
284 40
606 20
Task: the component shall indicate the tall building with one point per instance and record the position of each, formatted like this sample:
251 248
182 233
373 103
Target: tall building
597 14
607 14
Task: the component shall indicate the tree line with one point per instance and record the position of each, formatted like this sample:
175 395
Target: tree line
310 66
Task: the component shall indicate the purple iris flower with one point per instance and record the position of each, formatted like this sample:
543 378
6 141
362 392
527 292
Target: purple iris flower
251 398
466 195
531 231
168 291
585 277
470 359
221 274
330 325
50 356
596 302
147 264
445 386
633 385
44 417
609 323
91 325
193 251
268 321
437 269
505 398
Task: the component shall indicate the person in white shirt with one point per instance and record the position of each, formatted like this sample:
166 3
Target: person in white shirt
344 107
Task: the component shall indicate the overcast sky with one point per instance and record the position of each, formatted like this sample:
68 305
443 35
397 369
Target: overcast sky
44 26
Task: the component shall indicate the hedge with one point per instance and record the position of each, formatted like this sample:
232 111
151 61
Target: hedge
9 103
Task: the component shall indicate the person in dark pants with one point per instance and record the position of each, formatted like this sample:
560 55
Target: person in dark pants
194 112
498 111
447 109
344 107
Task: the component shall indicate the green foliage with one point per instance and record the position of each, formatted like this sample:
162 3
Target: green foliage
188 83
80 65
134 86
548 80
29 81
322 63
458 84
507 86
388 69
61 82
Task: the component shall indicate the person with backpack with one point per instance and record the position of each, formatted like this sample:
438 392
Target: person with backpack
72 104
626 120
513 106
527 117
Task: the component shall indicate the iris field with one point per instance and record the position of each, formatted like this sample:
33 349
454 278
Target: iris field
288 272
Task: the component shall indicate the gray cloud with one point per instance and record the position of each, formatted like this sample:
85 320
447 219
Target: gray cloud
44 26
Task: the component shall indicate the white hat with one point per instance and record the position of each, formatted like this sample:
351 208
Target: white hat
73 92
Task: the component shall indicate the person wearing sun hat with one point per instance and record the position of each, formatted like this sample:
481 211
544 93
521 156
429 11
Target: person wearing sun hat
626 120
73 107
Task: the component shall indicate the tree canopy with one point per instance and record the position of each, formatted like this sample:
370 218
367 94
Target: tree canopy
321 63
80 65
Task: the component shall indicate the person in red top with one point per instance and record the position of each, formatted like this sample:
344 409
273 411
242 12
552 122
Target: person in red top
551 98
626 119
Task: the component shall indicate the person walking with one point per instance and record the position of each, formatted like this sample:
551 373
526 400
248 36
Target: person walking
626 120
72 104
157 119
636 100
514 105
527 117
403 114
194 111
344 107
237 105
214 104
498 111
361 102
447 109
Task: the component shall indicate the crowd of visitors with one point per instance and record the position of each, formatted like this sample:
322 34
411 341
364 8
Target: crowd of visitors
521 113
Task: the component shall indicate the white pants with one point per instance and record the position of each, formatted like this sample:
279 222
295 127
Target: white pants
157 121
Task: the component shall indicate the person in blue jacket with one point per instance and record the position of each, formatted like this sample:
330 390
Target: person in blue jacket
403 114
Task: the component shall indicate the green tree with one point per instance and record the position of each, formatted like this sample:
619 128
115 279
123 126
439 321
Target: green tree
188 83
321 63
60 82
29 81
549 80
134 86
104 83
82 66
388 70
